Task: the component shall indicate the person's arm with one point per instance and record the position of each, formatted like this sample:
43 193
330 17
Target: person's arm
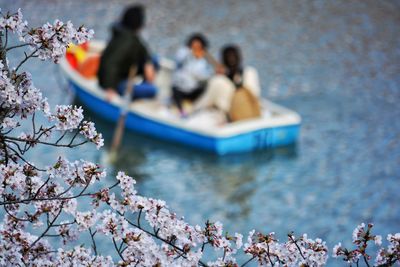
111 93
149 72
180 56
143 54
251 81
202 72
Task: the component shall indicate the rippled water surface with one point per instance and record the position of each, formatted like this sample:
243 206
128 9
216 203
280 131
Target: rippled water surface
337 63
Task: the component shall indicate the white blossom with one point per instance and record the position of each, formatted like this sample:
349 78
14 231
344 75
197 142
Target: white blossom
378 240
51 40
85 220
80 256
239 242
14 22
337 249
67 117
358 231
9 123
88 130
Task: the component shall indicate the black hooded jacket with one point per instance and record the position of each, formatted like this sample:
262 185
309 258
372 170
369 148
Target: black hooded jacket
123 51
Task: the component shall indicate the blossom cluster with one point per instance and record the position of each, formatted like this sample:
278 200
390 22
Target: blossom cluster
295 252
13 22
48 41
88 130
67 117
38 198
19 97
80 256
51 40
361 236
79 173
391 254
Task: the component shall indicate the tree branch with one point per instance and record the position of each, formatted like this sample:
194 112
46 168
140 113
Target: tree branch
43 142
26 59
248 261
48 227
16 46
93 242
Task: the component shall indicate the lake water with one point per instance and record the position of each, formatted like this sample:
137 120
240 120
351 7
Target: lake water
337 63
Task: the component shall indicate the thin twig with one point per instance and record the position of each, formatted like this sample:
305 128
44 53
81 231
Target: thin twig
6 42
26 59
61 137
40 188
73 138
138 218
16 46
7 138
14 217
295 242
27 200
24 160
119 252
269 256
365 260
48 227
248 261
93 242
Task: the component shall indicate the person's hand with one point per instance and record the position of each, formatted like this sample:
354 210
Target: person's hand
149 72
220 69
111 94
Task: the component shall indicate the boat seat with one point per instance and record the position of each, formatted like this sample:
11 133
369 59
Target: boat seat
152 104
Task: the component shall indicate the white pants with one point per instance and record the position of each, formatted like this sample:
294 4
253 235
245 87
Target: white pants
219 93
220 90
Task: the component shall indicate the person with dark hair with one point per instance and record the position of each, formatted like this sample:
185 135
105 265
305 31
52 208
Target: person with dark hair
197 37
232 60
221 87
125 50
192 72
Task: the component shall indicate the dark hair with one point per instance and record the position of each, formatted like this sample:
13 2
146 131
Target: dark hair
197 37
231 56
133 17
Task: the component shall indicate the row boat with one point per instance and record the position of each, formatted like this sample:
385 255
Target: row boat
277 126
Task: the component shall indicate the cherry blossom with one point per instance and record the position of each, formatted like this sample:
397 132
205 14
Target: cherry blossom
13 22
390 255
80 256
51 40
86 219
88 130
68 117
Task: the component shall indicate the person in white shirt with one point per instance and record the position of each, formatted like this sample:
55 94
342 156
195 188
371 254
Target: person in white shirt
221 87
192 72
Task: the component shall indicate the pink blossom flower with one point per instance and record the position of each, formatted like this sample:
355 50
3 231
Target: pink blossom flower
67 117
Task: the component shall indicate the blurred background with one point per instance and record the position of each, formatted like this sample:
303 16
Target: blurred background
337 63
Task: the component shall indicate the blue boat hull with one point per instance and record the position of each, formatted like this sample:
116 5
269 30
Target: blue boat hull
249 141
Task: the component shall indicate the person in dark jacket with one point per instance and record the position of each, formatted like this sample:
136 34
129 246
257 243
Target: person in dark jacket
126 49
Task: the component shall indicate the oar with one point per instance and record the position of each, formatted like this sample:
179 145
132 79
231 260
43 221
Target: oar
119 130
